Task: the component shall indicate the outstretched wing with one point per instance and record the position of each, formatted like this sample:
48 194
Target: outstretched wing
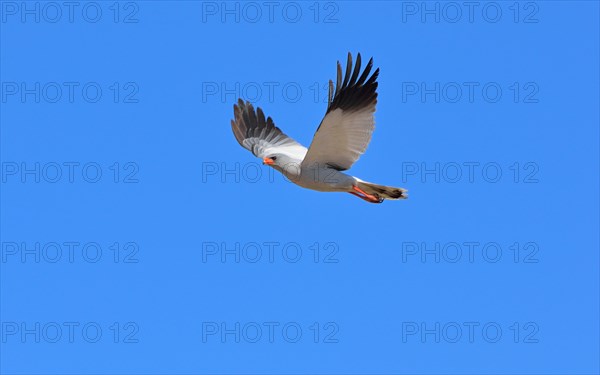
346 129
260 136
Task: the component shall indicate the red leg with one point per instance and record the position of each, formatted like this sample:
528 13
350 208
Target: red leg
364 195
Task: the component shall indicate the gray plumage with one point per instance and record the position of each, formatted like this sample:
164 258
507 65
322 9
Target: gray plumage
341 138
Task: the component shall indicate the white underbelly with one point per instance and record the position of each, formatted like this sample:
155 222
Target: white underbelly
324 179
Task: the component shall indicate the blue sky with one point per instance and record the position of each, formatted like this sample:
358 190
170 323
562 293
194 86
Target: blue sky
138 237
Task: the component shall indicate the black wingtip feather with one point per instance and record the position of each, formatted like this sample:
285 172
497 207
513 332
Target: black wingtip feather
348 70
352 94
356 71
254 132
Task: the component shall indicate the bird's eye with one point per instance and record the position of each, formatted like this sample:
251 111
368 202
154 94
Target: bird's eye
274 157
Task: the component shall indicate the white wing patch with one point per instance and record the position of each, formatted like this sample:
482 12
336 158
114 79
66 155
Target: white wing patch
342 138
348 125
262 148
260 136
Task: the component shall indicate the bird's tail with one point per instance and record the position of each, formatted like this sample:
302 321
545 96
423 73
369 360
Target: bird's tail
382 191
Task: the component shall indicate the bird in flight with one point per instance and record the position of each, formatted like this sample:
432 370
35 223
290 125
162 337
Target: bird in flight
341 138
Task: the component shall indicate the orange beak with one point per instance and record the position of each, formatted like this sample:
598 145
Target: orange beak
268 161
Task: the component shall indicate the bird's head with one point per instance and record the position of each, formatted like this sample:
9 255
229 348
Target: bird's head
271 160
283 163
280 160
